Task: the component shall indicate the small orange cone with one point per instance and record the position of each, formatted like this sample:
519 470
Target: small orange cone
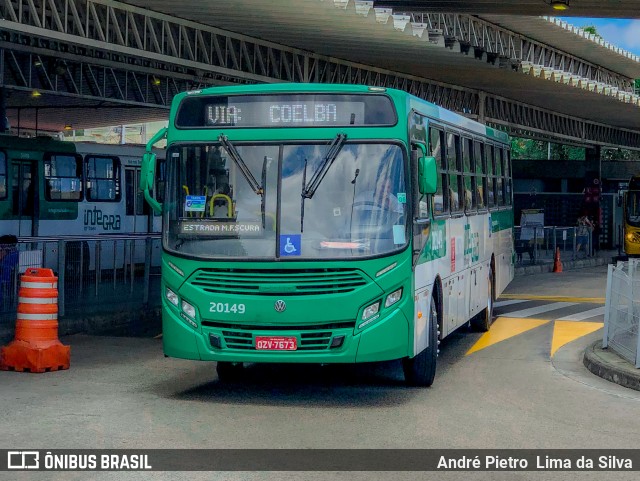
557 265
36 347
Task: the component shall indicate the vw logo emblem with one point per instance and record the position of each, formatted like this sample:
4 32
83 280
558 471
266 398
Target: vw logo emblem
280 306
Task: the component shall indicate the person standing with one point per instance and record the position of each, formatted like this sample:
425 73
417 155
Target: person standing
8 265
583 232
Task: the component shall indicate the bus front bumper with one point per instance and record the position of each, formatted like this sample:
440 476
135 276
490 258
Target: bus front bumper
385 340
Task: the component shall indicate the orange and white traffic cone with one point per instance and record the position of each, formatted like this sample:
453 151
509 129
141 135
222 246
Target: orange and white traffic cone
557 265
36 347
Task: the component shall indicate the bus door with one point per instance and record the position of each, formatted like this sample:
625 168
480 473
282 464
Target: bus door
25 197
137 211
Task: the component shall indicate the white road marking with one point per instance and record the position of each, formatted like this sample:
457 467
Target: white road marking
508 303
532 311
579 316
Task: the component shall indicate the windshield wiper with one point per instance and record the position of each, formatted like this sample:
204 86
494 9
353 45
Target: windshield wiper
235 156
332 153
308 190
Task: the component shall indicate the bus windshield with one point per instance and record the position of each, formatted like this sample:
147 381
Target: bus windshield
632 208
250 204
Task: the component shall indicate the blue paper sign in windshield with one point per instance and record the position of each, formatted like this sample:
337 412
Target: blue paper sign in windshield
195 203
290 245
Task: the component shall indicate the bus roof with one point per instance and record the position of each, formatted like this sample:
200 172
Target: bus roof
40 144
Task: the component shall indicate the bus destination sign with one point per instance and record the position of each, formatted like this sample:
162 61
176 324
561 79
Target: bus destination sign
285 113
285 110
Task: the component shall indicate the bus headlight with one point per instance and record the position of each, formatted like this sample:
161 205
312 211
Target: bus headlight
370 310
394 297
171 296
188 309
633 237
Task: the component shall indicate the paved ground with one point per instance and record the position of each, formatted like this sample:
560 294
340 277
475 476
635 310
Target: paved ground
122 393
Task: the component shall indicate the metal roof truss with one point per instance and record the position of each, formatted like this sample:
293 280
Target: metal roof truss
107 50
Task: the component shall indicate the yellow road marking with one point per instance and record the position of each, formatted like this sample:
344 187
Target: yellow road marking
566 331
527 297
505 328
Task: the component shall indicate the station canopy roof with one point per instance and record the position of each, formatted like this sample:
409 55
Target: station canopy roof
319 26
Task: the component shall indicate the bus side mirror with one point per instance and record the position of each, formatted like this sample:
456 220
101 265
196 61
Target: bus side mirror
427 175
147 176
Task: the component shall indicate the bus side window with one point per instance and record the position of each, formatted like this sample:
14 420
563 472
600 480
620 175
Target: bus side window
161 175
507 176
436 144
488 155
418 133
481 181
469 179
454 162
103 178
63 177
499 177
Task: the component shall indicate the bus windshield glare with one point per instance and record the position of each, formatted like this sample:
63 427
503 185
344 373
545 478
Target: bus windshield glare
217 209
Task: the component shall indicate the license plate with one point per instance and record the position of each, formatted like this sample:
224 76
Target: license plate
270 343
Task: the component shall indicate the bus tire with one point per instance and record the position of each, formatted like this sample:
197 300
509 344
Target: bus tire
421 369
229 371
482 321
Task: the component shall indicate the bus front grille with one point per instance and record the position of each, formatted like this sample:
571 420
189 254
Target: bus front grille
278 282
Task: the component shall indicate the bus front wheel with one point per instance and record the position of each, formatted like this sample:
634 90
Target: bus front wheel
229 371
421 369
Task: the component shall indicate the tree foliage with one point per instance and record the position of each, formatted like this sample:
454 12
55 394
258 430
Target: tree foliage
538 150
620 154
592 30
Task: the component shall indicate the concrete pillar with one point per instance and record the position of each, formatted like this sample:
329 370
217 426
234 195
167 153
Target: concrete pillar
482 99
4 121
592 158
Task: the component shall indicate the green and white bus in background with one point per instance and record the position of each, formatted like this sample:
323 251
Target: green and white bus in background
313 223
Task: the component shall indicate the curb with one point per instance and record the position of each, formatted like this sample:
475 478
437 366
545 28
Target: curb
567 266
608 365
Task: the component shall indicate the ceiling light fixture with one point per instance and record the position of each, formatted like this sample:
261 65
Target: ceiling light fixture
155 81
35 94
68 127
559 5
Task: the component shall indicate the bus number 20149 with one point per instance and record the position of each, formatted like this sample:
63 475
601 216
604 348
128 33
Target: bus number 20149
226 308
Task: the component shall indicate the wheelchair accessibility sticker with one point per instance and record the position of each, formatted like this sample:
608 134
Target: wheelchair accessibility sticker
290 244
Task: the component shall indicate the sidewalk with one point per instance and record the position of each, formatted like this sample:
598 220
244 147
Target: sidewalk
546 265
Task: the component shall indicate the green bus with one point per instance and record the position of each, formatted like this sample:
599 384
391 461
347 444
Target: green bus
313 223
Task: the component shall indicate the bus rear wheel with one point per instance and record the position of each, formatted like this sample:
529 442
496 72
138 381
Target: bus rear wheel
482 321
229 371
421 369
